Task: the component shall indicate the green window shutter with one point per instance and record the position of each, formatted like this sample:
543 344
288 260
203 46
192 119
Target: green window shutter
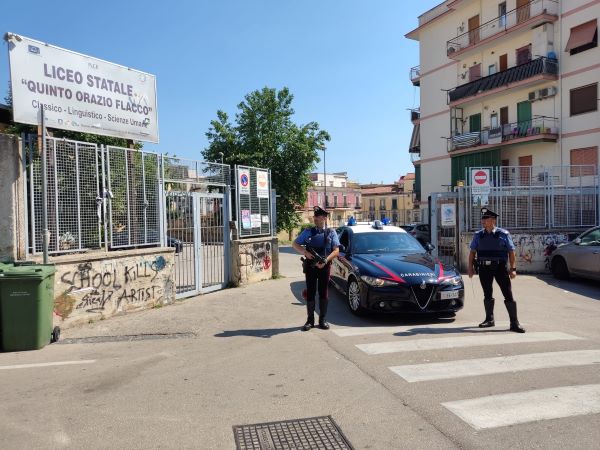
474 123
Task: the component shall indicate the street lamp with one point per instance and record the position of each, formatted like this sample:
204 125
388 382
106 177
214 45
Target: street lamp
324 178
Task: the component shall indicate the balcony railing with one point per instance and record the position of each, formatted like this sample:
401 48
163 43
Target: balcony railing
502 23
538 126
415 75
539 66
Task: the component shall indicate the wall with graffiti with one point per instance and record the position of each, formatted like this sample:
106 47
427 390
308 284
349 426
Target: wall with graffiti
532 250
96 286
252 260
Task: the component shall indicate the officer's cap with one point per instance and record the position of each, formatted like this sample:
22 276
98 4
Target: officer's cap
320 212
488 213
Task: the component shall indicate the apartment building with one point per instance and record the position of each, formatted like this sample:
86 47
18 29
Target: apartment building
394 201
335 192
504 83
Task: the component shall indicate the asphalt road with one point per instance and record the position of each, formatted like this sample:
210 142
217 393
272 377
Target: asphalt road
182 376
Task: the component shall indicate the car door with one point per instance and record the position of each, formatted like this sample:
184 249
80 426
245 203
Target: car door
343 261
586 260
335 273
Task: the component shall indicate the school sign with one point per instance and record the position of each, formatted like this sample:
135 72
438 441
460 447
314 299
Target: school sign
79 92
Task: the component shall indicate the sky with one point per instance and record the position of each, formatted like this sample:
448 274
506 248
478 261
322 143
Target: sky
346 62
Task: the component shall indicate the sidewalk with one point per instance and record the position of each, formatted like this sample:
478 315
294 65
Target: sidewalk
249 362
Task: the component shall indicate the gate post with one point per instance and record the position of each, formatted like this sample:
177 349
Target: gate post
226 234
433 221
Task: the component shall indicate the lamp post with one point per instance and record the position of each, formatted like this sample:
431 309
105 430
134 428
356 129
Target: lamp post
324 178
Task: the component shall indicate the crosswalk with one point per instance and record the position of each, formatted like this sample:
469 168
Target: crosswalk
492 411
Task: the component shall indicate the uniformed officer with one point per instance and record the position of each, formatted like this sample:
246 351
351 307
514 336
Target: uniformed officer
494 249
326 243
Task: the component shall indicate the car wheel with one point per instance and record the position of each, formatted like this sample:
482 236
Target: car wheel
559 268
354 298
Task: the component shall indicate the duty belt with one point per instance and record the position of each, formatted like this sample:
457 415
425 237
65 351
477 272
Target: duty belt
489 262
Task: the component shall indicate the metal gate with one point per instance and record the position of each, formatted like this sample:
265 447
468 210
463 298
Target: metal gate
444 220
198 228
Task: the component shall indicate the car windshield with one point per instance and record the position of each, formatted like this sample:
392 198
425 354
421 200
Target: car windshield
382 242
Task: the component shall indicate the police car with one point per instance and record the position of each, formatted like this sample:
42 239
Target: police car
383 268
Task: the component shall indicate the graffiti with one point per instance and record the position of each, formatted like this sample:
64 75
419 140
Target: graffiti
92 290
538 247
266 262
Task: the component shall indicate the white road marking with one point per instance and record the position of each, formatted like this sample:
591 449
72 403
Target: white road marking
48 364
360 331
462 341
488 366
529 406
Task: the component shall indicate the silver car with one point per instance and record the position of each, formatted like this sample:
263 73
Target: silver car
581 257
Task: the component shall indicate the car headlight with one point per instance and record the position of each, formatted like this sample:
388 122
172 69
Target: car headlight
453 281
377 282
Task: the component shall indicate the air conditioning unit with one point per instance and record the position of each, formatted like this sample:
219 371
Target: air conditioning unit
533 95
543 93
547 92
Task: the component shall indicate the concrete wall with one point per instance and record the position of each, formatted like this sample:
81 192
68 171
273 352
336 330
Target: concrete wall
12 218
532 248
252 259
98 285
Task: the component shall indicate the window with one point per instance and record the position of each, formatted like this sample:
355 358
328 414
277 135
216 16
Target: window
335 201
584 99
502 15
394 203
583 37
372 204
592 238
584 157
344 238
494 121
345 201
492 69
382 204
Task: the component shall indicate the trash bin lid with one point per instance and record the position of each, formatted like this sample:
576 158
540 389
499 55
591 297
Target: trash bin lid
36 271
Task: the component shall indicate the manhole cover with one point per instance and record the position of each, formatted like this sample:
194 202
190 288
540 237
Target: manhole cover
309 434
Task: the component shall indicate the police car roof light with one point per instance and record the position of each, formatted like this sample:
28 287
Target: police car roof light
377 225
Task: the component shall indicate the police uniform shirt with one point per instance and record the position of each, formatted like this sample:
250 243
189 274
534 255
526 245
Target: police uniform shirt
494 246
317 240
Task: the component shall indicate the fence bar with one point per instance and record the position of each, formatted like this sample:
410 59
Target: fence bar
78 194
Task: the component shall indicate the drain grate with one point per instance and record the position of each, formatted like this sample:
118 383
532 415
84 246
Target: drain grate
126 338
308 434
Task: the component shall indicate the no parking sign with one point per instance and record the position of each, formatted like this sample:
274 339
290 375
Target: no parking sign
244 181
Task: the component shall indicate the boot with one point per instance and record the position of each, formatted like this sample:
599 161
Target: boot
488 304
308 325
511 307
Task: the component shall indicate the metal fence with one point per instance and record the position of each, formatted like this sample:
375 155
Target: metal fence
106 196
134 205
253 204
537 197
73 195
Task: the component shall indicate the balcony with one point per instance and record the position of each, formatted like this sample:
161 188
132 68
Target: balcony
415 114
415 75
535 71
415 140
525 17
537 129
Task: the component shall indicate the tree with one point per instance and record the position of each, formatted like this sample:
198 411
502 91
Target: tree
264 135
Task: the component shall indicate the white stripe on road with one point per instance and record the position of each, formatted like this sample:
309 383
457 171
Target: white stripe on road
48 364
463 341
360 331
521 407
488 366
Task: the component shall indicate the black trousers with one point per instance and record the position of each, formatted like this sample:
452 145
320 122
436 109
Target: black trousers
317 279
487 274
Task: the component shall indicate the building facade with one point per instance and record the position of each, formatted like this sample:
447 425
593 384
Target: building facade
519 87
394 201
333 191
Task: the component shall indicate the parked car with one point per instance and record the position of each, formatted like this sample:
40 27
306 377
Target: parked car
383 268
580 257
420 231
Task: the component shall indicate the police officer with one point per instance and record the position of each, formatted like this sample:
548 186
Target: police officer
326 243
494 249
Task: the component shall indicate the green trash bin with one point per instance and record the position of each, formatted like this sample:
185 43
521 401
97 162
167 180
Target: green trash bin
26 307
